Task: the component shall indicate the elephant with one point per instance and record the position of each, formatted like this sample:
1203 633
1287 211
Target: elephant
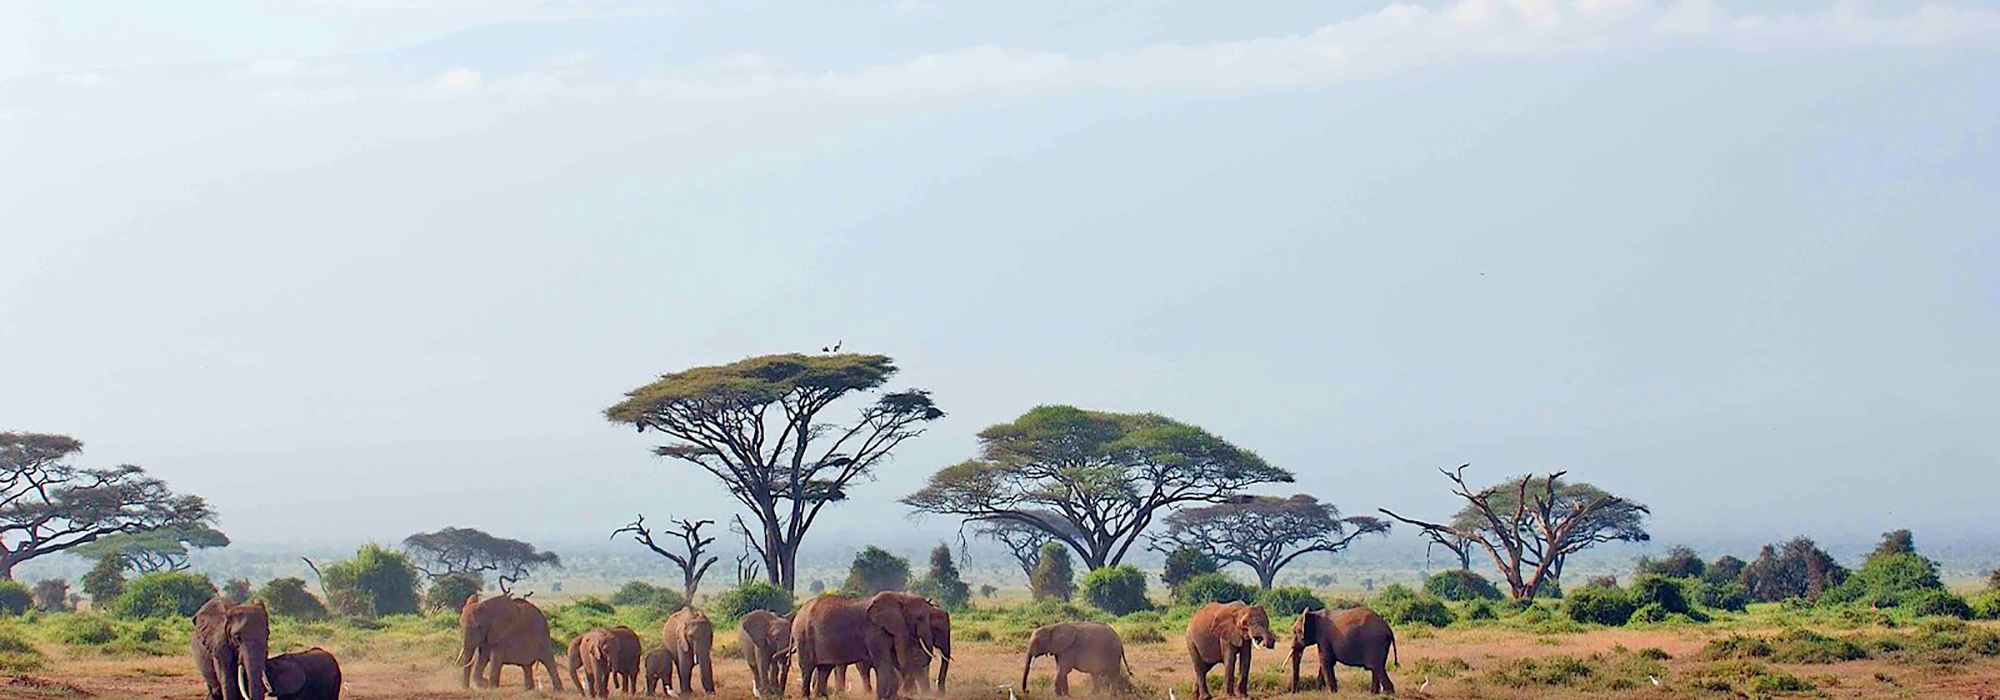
690 640
1355 636
916 671
229 643
504 630
766 639
1091 647
886 632
1223 633
625 666
659 671
312 674
595 651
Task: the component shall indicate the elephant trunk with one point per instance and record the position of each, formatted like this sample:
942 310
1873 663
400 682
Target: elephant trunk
254 655
1298 654
1025 663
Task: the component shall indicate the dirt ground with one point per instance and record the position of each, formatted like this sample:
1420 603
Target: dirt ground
982 670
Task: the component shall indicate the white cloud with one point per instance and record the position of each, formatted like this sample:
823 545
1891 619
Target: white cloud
80 79
459 80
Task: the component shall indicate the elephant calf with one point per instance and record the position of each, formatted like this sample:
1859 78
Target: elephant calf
766 639
596 652
312 674
1355 636
1091 647
1222 633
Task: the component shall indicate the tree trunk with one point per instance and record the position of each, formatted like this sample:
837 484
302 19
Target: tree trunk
1265 577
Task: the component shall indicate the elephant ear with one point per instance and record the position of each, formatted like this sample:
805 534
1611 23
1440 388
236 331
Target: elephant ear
1236 628
887 613
287 678
1061 638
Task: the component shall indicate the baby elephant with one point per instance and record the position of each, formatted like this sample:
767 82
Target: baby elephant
660 671
312 674
1090 647
1355 636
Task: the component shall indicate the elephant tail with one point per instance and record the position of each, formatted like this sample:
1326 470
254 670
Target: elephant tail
1395 650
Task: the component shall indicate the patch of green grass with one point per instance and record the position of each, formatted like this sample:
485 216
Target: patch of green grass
1616 670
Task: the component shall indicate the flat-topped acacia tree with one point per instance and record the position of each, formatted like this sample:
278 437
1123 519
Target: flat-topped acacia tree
1092 480
762 427
1266 533
47 505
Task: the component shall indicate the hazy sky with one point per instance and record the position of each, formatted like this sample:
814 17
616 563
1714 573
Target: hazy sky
356 268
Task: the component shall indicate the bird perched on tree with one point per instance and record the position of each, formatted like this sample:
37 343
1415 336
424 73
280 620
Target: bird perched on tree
835 347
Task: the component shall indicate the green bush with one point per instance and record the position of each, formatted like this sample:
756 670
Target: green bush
288 597
1118 590
105 580
1730 596
17 654
51 595
1668 595
1289 600
1186 563
635 593
1481 609
1599 605
164 594
756 595
1679 562
593 604
448 592
1459 585
942 582
15 598
1214 587
875 570
1939 603
1053 577
1420 610
85 630
1985 605
376 581
1886 580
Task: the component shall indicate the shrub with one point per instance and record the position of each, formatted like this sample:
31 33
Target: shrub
15 598
1667 593
288 597
1053 576
1117 590
1985 605
755 595
1214 587
164 594
1419 610
635 593
1679 562
1993 580
448 592
1725 569
1729 596
85 630
942 583
51 595
1290 600
376 581
104 581
237 589
16 653
875 570
1481 609
1939 603
1459 585
1186 563
593 604
1797 569
1598 605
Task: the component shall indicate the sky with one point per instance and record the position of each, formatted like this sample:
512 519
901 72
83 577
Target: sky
353 269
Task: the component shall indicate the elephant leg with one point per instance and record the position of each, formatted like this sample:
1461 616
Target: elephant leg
1062 677
1327 674
1200 668
1382 679
1243 672
820 674
205 662
706 657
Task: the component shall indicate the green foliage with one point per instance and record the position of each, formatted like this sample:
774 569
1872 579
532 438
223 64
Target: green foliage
755 595
656 601
1680 561
448 592
1939 602
1185 563
1289 600
1116 589
1668 595
1053 577
875 570
17 654
1985 605
15 598
1895 542
51 595
1460 585
1794 646
238 589
1599 605
1730 595
1213 587
1888 579
104 581
942 583
593 604
155 550
1617 670
287 597
1796 569
1725 569
1401 606
376 581
164 594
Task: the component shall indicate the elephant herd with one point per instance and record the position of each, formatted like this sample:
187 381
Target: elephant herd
892 636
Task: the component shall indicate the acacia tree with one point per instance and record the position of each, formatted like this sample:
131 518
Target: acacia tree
47 505
472 552
1529 526
1023 540
165 549
1102 476
758 425
692 544
1265 533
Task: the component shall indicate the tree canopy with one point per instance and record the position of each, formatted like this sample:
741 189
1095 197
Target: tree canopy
1266 533
165 549
1025 537
757 426
48 505
473 552
1103 476
1530 525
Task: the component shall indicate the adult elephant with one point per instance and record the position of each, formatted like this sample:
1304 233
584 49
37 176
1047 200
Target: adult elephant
594 652
915 671
502 631
1090 647
1355 636
625 665
312 674
766 639
229 643
690 640
885 632
1223 633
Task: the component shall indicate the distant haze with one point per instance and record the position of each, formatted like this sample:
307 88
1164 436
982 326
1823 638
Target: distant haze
353 270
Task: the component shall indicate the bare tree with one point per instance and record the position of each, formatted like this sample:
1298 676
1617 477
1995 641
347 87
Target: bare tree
692 545
749 567
48 506
1265 533
1530 526
760 427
